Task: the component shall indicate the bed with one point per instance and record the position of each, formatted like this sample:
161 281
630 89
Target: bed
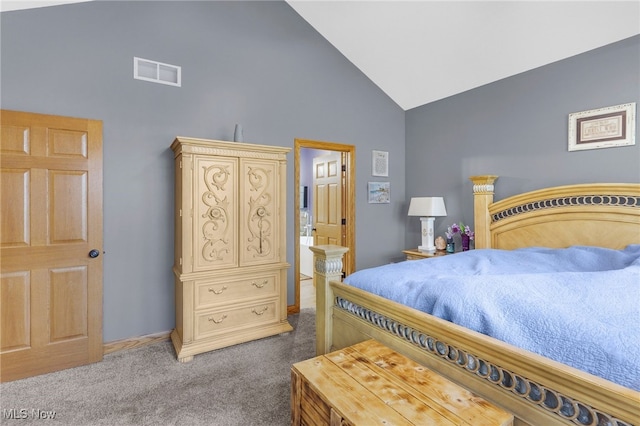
538 390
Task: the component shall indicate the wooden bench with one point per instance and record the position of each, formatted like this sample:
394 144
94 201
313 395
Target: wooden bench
370 384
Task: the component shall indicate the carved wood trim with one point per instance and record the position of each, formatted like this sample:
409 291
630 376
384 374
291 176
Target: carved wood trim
587 200
228 149
216 227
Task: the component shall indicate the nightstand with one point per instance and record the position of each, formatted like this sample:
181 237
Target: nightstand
415 254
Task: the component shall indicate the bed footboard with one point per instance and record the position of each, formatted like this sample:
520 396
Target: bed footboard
535 389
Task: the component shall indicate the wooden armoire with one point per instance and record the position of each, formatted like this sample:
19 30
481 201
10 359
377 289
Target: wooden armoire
230 244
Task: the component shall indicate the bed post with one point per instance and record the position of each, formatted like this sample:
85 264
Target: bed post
482 198
327 266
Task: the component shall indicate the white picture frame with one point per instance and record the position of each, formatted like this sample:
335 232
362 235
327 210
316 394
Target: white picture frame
379 192
603 128
379 163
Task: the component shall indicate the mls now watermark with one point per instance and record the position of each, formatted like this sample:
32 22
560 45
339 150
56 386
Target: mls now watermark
24 413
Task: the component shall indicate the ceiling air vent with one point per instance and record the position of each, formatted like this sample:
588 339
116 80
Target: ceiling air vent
156 72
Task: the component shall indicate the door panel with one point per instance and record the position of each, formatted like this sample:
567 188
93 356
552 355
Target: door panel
51 301
67 143
15 290
14 186
67 289
68 206
15 139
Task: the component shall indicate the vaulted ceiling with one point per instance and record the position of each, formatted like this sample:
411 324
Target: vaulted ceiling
421 51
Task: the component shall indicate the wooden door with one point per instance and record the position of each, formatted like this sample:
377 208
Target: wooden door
51 229
327 199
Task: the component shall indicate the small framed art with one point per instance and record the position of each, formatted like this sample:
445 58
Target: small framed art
603 128
380 163
379 192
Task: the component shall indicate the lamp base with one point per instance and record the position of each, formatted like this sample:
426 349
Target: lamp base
427 234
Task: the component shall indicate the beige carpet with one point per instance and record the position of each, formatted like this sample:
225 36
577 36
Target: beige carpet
247 384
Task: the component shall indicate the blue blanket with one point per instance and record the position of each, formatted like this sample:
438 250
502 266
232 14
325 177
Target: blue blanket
579 306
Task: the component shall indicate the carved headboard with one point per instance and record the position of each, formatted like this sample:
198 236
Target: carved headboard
601 214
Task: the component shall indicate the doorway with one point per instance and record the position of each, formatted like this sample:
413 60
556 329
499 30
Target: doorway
347 154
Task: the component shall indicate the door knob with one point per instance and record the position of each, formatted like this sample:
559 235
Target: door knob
94 253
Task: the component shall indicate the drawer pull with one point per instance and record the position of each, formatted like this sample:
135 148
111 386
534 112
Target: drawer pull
261 312
215 321
214 291
265 282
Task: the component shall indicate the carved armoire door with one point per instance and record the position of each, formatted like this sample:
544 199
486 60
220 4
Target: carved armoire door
215 218
259 233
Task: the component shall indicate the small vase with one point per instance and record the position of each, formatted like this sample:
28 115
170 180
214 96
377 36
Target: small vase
451 246
465 242
237 134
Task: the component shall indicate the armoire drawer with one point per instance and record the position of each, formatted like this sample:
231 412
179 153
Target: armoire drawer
212 292
217 321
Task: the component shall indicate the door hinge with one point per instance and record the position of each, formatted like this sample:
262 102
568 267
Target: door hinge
344 167
344 221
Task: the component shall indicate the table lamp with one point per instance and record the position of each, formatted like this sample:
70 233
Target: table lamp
427 208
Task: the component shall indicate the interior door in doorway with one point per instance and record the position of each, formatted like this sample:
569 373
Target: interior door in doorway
50 243
327 199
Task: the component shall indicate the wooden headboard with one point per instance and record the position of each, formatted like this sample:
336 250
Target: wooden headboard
603 215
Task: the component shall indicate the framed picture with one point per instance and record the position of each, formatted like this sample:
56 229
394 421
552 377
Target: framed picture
603 128
380 163
379 192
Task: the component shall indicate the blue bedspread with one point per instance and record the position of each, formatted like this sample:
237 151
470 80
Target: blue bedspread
579 306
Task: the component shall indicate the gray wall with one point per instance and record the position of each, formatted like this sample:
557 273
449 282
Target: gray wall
517 128
254 63
261 65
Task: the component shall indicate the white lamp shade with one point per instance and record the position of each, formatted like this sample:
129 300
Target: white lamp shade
427 207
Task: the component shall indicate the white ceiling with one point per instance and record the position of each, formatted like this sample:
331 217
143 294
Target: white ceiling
424 50
421 51
7 5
